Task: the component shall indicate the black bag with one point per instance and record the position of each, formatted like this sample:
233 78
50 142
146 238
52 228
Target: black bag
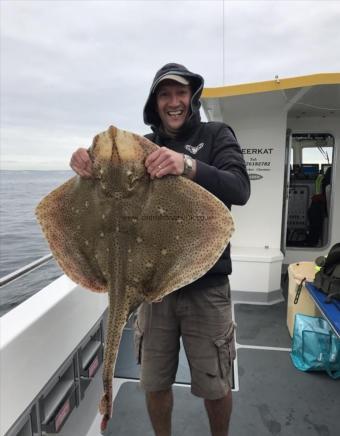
327 279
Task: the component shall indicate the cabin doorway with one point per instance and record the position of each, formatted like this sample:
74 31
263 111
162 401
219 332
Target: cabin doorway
309 190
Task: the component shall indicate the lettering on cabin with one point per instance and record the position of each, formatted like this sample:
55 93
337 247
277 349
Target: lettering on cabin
257 159
257 150
260 164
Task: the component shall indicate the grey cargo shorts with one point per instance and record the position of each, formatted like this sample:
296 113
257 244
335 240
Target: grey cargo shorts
201 314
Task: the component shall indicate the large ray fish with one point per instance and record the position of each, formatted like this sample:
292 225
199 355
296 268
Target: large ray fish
137 239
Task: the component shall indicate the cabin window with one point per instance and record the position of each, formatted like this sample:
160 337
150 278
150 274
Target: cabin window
310 190
322 156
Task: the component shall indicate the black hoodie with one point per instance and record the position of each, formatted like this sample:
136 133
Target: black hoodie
220 167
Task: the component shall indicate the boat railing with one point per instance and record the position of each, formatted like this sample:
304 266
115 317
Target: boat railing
20 272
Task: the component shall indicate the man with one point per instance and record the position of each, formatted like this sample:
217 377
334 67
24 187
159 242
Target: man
209 154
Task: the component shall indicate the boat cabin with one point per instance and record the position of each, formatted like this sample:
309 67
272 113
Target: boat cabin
289 131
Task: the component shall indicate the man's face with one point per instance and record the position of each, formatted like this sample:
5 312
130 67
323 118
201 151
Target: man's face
173 104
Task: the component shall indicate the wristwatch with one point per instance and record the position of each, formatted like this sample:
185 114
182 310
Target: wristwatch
188 165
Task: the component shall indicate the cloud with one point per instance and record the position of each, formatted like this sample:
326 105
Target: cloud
69 69
288 38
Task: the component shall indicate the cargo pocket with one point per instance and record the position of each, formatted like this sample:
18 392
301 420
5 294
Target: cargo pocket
138 340
226 350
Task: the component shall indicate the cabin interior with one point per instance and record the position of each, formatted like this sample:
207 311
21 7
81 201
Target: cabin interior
290 135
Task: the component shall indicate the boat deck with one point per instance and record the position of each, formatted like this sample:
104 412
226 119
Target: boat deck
270 396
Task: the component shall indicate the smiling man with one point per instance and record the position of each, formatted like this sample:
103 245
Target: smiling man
173 103
209 154
171 96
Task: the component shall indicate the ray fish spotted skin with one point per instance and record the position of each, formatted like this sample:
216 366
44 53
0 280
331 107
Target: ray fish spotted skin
137 239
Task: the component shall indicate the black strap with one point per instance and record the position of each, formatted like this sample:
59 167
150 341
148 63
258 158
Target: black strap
298 291
331 299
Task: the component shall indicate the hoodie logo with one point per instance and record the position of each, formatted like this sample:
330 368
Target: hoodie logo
192 149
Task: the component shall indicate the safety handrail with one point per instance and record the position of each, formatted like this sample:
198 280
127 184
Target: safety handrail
25 270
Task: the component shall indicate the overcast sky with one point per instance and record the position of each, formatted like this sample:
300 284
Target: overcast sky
69 69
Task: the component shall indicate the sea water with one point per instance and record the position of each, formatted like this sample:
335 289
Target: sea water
21 239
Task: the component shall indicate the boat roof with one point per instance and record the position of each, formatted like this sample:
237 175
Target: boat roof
276 84
311 95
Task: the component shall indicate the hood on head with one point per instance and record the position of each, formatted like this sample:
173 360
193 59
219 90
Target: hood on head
150 114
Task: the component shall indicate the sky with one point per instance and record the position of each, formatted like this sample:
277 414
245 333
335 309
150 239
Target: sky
69 69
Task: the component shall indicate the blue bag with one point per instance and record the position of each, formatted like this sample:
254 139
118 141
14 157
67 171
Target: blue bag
315 347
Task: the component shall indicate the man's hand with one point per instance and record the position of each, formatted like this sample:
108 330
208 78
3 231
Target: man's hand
164 161
81 163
